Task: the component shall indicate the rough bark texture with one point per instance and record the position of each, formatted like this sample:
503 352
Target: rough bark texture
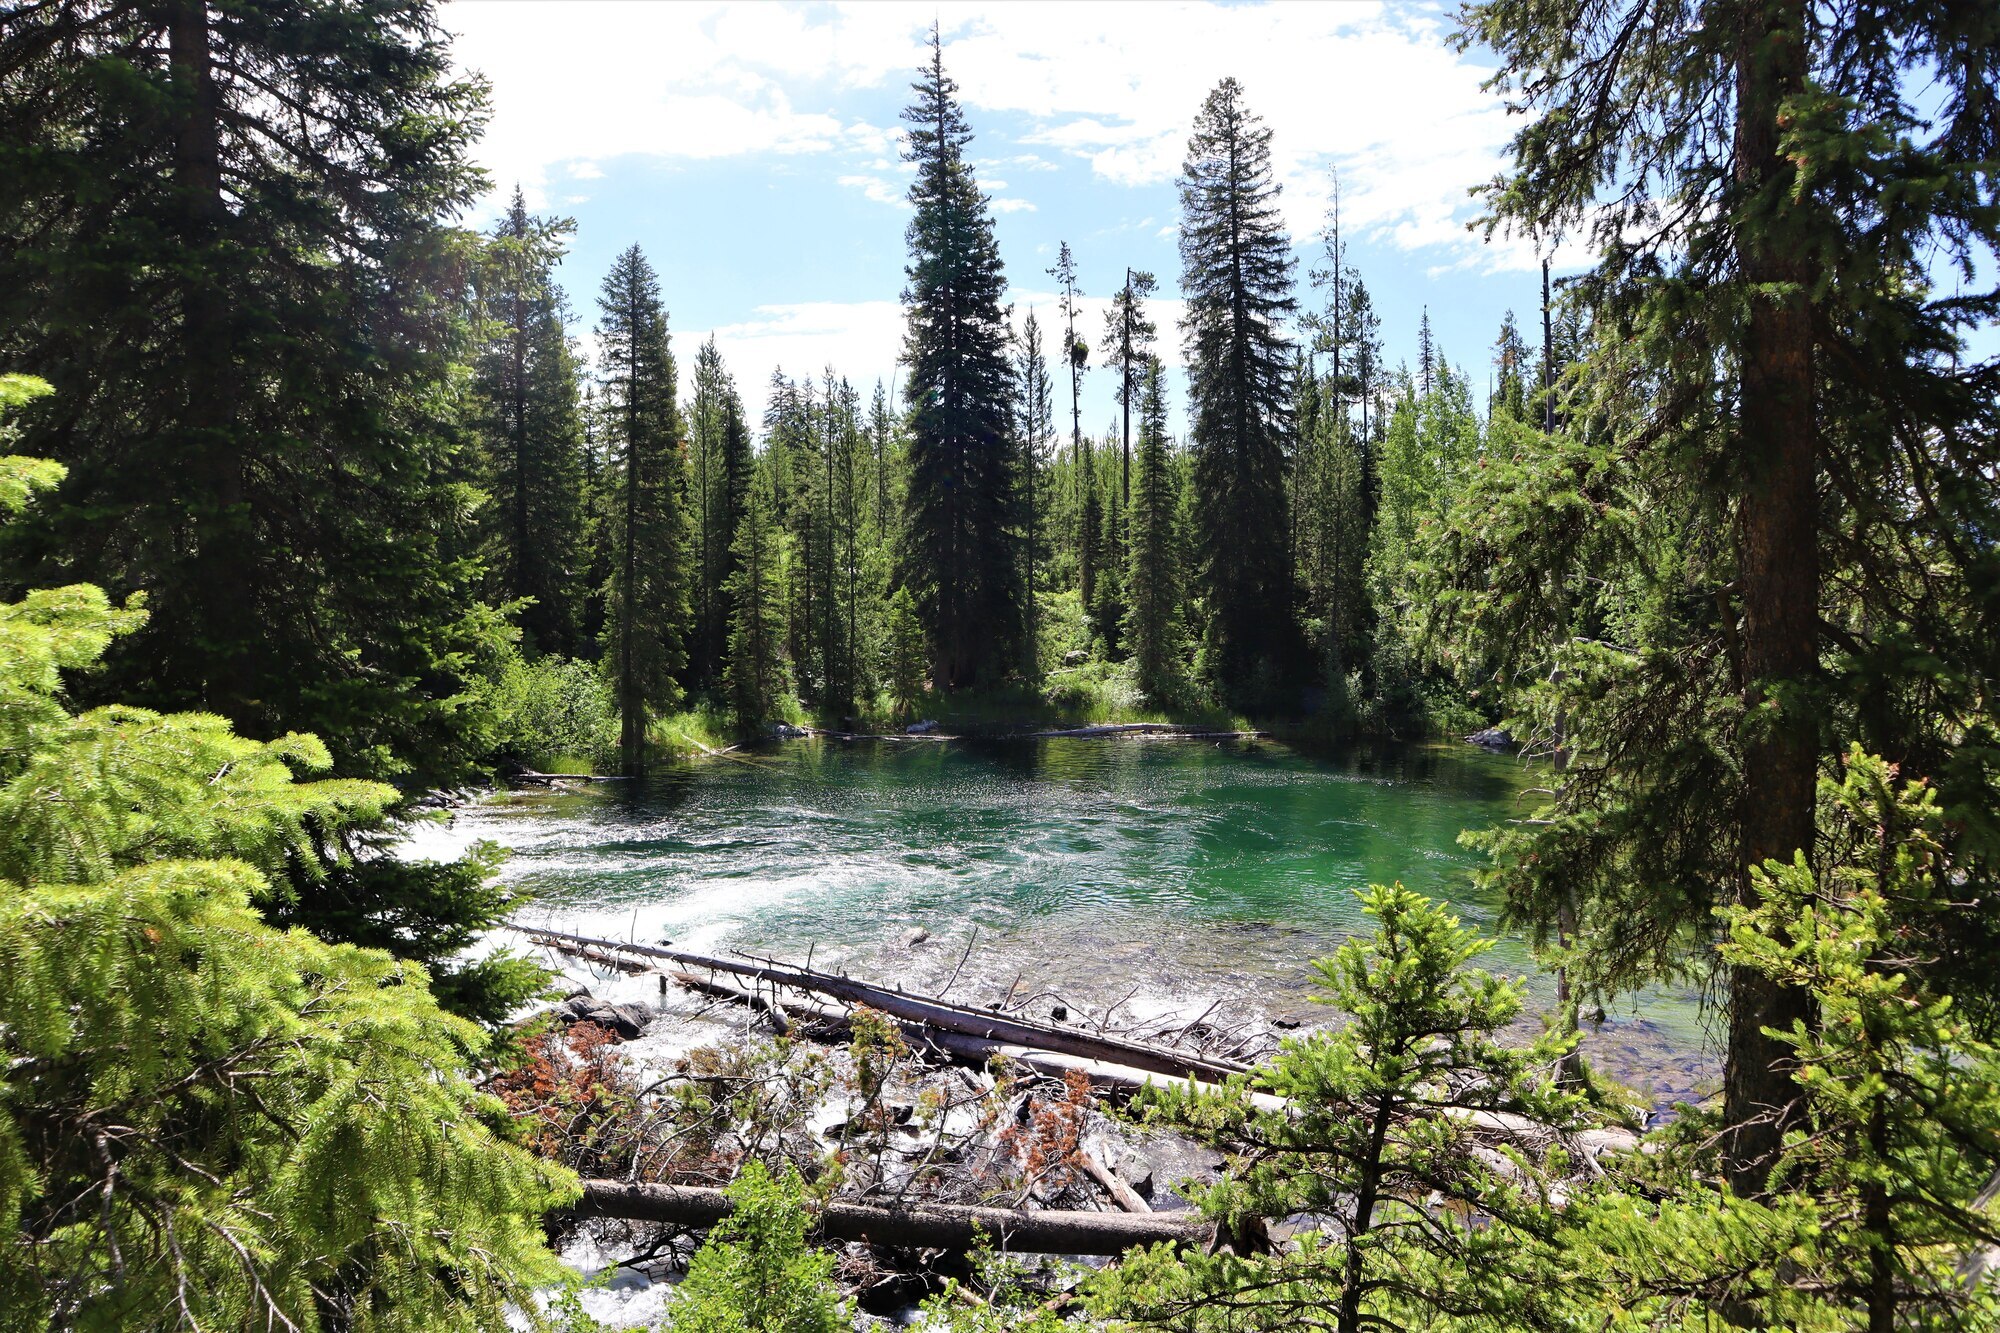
1779 570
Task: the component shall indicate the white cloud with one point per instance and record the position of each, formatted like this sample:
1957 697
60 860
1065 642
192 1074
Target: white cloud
859 339
584 81
876 189
1009 204
1375 90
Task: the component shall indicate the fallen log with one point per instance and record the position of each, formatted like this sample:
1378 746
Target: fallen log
529 775
1103 1074
978 1052
1097 730
933 1011
915 1225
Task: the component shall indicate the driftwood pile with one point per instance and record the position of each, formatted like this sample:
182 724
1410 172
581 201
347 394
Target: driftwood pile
812 1002
796 999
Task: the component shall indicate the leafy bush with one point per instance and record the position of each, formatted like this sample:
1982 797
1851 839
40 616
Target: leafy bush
1061 628
551 713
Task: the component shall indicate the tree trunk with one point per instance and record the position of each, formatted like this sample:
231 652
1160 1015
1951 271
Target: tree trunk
928 1225
221 614
1778 565
933 1011
631 707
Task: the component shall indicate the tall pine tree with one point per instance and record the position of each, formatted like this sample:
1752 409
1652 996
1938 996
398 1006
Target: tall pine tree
1800 447
1236 274
755 674
1153 571
1035 428
962 528
223 236
647 612
1128 340
223 239
532 429
719 474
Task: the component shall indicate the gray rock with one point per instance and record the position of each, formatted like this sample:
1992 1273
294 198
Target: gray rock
1075 657
785 731
625 1020
923 728
1492 738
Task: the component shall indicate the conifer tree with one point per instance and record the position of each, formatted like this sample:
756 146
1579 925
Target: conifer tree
1236 271
1153 570
719 466
756 676
532 429
1334 534
1374 1137
1510 370
647 612
250 308
1781 483
206 1122
1087 514
1128 340
886 464
225 242
962 526
1035 428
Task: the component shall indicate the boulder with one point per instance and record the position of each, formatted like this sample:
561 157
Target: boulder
1492 738
1075 657
626 1021
923 728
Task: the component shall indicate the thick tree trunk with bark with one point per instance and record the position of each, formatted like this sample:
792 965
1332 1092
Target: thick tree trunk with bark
1778 565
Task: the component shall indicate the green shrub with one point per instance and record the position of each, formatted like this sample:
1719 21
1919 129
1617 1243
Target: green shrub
756 1273
551 713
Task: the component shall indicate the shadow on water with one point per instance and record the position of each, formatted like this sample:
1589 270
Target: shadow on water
1185 868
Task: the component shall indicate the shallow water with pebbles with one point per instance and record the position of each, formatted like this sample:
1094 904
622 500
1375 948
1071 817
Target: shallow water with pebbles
1154 875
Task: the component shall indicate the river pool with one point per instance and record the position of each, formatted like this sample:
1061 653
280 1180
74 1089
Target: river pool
1159 874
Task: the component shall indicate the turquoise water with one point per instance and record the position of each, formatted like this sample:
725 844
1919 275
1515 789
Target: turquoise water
1160 874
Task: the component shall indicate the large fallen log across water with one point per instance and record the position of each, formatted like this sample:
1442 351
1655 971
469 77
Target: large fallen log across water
929 1010
931 1225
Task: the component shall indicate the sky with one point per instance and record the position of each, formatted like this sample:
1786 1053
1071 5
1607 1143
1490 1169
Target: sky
753 152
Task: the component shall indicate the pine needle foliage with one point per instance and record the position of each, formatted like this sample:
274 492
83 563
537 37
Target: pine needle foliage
1153 580
647 601
530 419
756 1273
1793 211
963 523
206 1122
1236 274
1376 1142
